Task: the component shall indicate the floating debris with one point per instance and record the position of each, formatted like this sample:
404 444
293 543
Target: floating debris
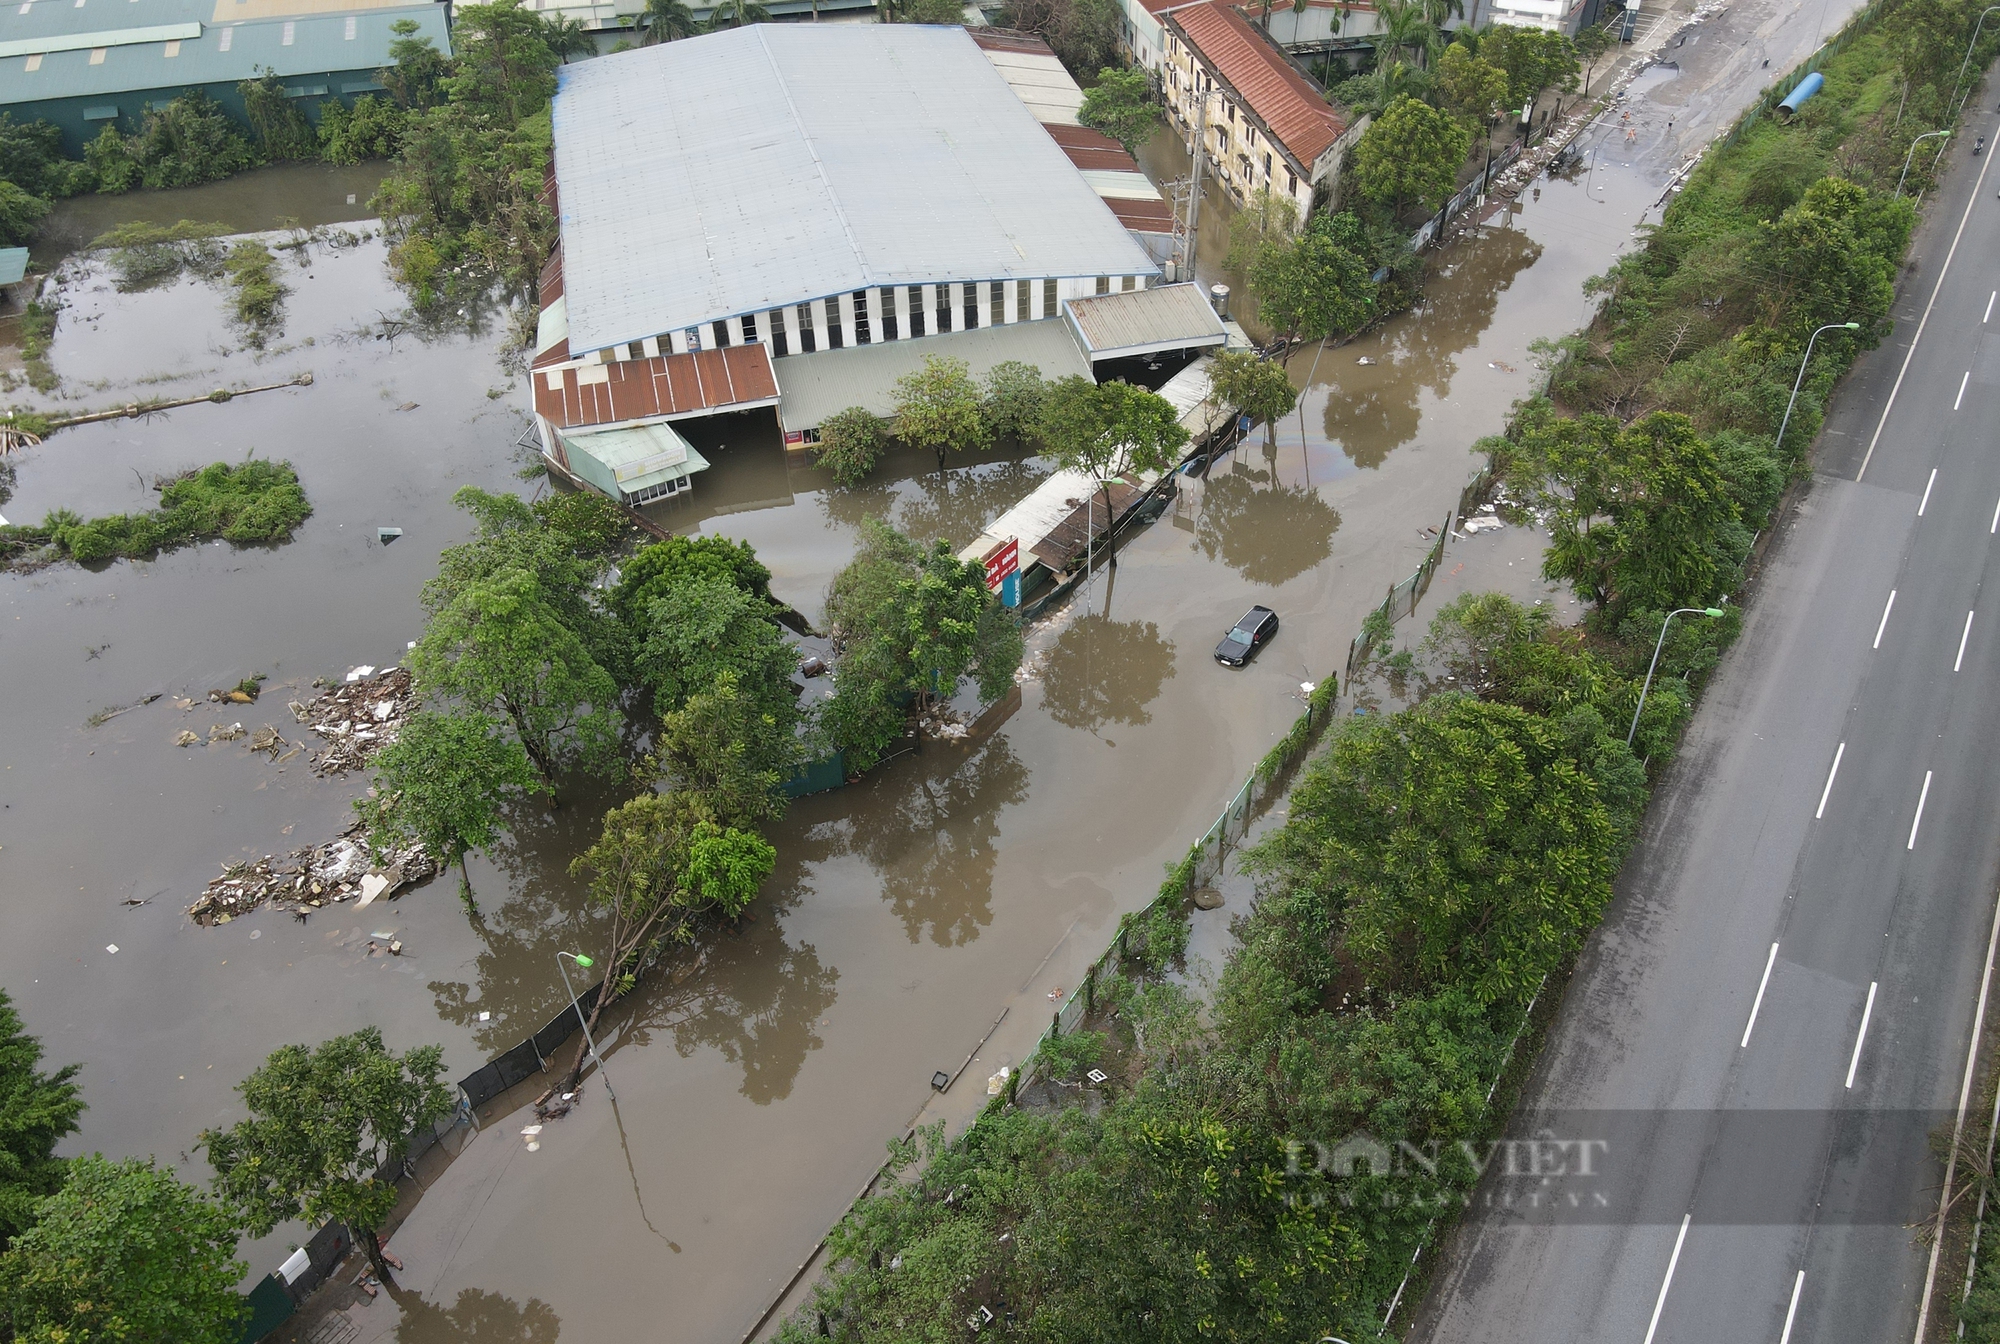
357 718
307 879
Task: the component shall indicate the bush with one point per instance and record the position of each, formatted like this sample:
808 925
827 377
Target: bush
372 129
189 141
252 272
281 126
258 501
851 442
1067 1058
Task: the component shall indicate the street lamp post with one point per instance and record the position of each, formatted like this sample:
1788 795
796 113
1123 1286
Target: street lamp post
1800 381
1913 154
585 963
1658 645
1968 53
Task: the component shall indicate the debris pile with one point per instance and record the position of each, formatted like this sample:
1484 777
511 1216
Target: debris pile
307 879
357 717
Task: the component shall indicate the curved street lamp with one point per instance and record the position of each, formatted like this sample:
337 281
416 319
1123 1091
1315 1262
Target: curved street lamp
1911 155
1968 54
1660 644
1800 381
585 963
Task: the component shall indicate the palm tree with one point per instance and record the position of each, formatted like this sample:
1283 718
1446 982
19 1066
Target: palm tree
666 21
1405 26
736 13
567 37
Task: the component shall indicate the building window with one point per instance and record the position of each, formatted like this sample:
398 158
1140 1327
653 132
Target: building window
1130 283
721 330
1024 300
1048 298
943 309
808 343
969 301
1291 182
749 328
861 336
889 314
1267 165
916 310
1103 284
836 335
780 346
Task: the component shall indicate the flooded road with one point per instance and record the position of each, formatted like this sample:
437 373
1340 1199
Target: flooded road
756 1082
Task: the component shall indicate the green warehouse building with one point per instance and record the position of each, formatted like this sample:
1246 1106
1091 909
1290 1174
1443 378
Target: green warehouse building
82 63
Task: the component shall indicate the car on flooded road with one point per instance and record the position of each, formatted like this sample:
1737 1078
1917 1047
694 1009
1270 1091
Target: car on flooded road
1248 635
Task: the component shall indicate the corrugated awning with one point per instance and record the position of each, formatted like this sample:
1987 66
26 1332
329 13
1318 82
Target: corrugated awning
667 387
1141 321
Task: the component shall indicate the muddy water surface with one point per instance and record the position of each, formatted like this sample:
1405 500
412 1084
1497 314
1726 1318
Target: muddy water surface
757 1080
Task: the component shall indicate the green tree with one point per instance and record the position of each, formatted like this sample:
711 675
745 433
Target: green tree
1469 87
1535 59
909 623
1257 387
851 442
1635 512
706 629
937 407
501 646
1321 285
281 126
443 784
945 12
502 64
328 1126
1121 105
416 67
736 13
665 565
42 1110
371 129
1082 33
1464 843
20 214
1015 393
666 21
567 37
1831 257
124 1252
1406 26
1591 43
1410 155
31 157
1106 430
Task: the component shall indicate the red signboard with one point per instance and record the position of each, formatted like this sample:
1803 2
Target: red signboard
1001 563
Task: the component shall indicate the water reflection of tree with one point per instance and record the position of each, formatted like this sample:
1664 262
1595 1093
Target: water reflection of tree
745 992
956 506
1103 670
1382 413
1268 535
930 826
478 1317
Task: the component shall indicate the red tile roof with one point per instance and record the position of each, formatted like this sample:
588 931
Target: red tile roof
1094 150
706 381
1285 100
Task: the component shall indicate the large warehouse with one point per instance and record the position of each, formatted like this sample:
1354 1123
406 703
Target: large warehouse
739 209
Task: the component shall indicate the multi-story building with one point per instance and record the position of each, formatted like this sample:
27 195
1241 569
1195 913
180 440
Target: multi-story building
1268 125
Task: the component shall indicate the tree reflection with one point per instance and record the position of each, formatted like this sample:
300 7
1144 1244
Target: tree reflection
1101 670
930 826
1269 535
478 1317
1371 412
743 990
957 507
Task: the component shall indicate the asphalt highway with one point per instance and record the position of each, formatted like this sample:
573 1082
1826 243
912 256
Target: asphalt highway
1778 1008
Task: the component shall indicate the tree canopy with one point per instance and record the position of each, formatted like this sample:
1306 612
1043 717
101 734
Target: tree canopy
1121 105
1410 156
124 1253
938 407
42 1110
1320 284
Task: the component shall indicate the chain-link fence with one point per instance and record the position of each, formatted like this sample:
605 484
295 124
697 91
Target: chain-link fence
1401 601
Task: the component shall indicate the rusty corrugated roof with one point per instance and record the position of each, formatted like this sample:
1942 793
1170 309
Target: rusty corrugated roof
698 383
1294 109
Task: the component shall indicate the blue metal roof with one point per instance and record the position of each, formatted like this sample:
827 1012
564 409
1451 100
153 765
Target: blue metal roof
13 264
53 49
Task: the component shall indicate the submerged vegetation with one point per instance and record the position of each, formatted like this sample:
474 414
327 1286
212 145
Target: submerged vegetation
255 502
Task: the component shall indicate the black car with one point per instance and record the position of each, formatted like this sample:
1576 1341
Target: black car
1252 633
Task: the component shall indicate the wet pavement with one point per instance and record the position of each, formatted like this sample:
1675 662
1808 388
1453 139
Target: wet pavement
758 1081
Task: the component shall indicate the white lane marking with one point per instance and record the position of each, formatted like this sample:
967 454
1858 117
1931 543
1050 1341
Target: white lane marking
1918 820
1672 1260
1978 185
1989 308
1995 527
1838 752
1759 1001
1798 1286
1961 390
1887 607
1925 503
1958 1127
1961 643
1867 1012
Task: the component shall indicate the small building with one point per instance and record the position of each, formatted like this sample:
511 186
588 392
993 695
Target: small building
1269 126
13 272
83 67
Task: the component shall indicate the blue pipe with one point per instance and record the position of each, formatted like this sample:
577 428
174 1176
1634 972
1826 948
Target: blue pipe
1807 87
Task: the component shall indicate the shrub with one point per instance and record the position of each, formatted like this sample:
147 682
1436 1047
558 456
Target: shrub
851 442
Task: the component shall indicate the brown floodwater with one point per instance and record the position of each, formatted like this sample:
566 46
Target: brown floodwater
757 1080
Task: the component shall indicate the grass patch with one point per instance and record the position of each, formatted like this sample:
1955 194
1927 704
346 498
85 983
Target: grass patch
144 255
253 275
256 501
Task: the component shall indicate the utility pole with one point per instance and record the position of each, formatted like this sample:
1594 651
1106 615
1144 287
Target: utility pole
1194 187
